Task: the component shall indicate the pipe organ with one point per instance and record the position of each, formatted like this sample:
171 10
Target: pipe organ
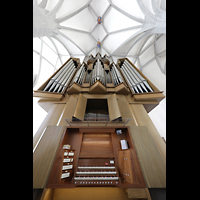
97 132
99 69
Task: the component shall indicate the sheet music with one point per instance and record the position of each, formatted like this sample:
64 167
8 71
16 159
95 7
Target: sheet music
124 144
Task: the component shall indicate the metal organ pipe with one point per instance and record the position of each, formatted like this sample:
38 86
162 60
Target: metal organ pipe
108 78
102 73
138 75
112 75
93 74
76 77
66 80
57 75
133 78
87 79
130 81
80 81
97 70
79 75
98 73
116 81
60 78
117 74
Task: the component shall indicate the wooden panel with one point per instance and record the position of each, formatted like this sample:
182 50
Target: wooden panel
148 96
113 107
44 154
73 137
86 193
153 167
51 119
97 129
137 176
139 193
122 89
125 166
96 145
97 88
125 110
74 89
49 96
69 109
80 107
143 119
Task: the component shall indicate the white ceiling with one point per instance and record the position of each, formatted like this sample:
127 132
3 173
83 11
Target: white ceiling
135 29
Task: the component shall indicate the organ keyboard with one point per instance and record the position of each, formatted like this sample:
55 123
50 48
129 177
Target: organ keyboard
96 178
96 172
96 175
96 167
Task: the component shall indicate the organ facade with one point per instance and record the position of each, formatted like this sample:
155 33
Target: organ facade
97 133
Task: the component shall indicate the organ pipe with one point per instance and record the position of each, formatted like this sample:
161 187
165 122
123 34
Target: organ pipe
57 75
98 73
59 82
140 78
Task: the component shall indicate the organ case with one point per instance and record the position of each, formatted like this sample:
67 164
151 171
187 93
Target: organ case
40 92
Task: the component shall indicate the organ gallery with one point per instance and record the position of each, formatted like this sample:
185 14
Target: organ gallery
97 135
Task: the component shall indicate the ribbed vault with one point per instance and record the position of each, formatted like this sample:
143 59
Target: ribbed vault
135 29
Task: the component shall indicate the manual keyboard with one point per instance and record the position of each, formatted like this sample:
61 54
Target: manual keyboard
96 176
96 167
96 172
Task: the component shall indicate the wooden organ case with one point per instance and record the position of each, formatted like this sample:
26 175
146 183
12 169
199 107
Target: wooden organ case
85 145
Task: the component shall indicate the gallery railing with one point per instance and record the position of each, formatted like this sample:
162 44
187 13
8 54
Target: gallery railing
100 122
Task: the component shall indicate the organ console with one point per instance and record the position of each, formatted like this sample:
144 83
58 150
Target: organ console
96 162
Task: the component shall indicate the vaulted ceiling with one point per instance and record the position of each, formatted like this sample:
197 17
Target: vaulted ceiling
135 29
